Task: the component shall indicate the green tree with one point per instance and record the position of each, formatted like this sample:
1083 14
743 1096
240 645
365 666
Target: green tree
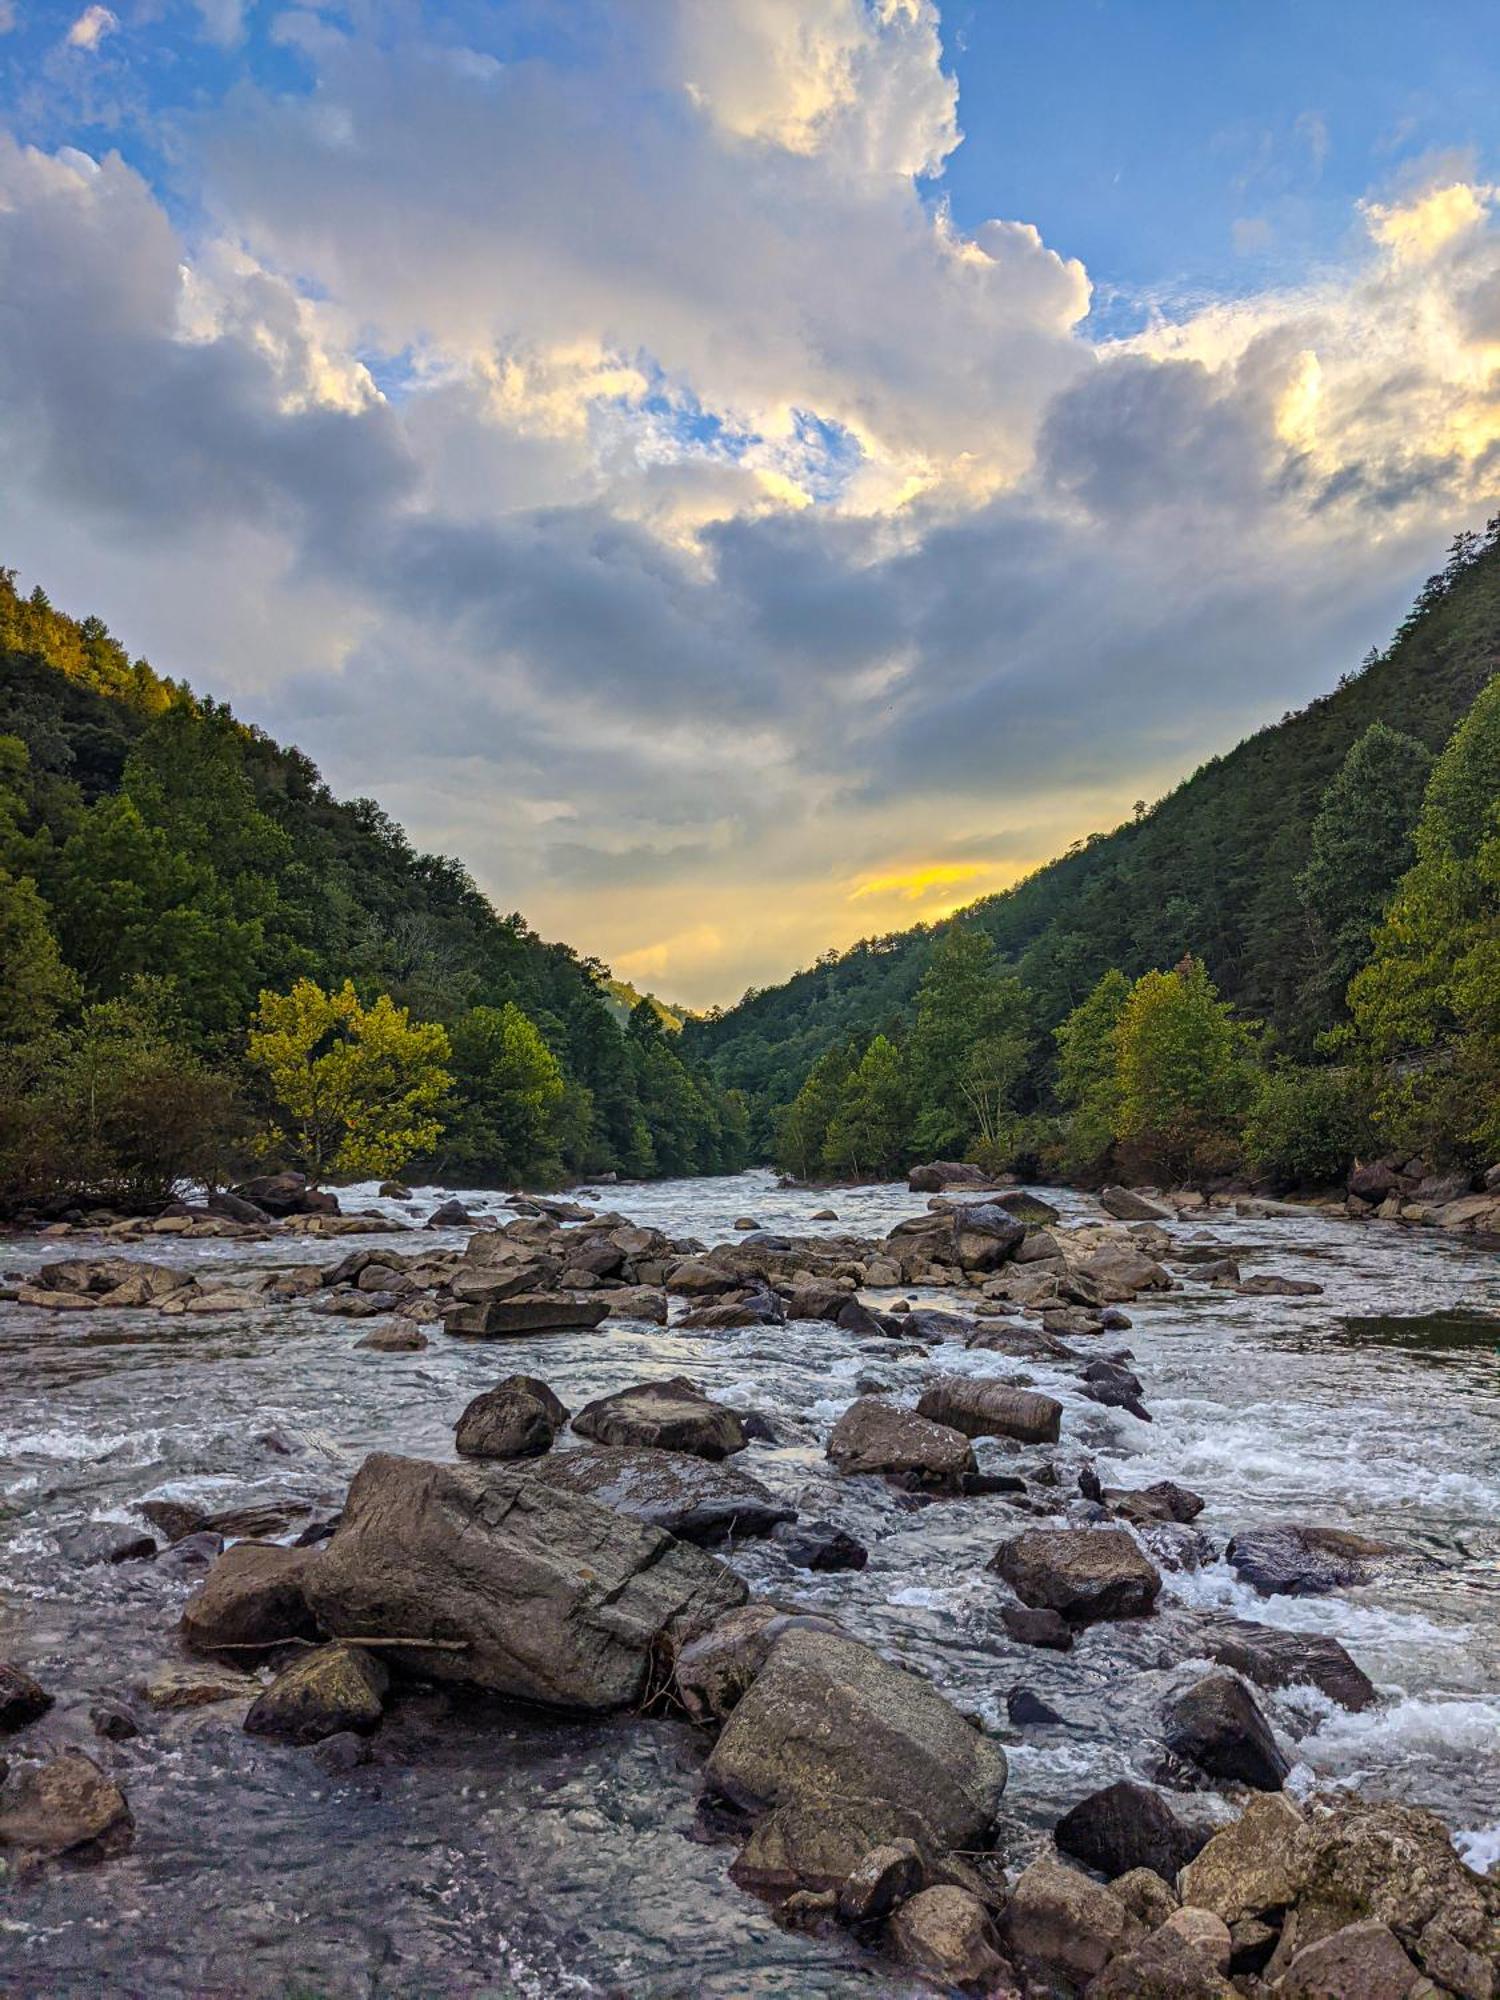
1361 844
969 1045
802 1129
35 985
508 1091
1427 1007
356 1089
867 1135
1088 1074
1184 1073
1307 1127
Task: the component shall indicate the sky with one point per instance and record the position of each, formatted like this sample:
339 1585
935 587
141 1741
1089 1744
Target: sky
747 474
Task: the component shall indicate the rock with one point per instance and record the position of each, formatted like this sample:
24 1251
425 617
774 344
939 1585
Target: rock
760 1309
341 1753
107 1542
714 1670
67 1806
1163 1966
1204 1932
198 1687
1127 1826
824 1215
543 1595
820 1545
394 1191
1125 1205
404 1339
694 1498
1300 1562
1115 1386
335 1688
1084 1573
886 1877
1273 1285
674 1415
1361 1962
1248 1870
828 1723
1273 1658
449 1215
1061 1922
803 1848
984 1408
1146 1896
1218 1726
174 1518
984 1236
506 1319
285 1194
113 1721
1028 1711
940 1174
253 1596
1037 1628
644 1302
22 1699
236 1209
1373 1182
518 1418
1165 1500
874 1436
946 1933
193 1552
1118 1274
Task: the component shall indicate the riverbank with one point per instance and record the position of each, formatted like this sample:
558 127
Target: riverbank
483 1834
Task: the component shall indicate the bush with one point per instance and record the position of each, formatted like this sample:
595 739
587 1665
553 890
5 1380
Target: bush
1308 1126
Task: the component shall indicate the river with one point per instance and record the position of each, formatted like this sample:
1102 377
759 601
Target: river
486 1850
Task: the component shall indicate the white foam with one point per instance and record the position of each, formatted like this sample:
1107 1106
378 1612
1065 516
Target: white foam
1480 1848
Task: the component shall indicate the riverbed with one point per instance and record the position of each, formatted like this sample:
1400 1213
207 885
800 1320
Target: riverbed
490 1850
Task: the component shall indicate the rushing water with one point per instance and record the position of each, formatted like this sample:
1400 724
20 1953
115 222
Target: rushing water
491 1850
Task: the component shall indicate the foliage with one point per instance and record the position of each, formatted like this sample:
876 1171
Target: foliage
1183 1072
508 1092
35 984
802 1127
356 1089
969 1046
1088 1082
1308 1126
867 1132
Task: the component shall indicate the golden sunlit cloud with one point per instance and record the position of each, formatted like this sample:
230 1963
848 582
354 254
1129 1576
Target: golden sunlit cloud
1417 230
916 885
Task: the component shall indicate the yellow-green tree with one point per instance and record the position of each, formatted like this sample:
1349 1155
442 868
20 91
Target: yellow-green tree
356 1088
1184 1073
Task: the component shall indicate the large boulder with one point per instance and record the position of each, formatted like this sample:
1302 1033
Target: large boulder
255 1595
524 1589
1373 1181
334 1688
1083 1573
286 1194
1273 1658
985 1236
829 1726
1296 1561
510 1318
980 1407
1118 1273
674 1415
518 1418
1127 1826
939 1174
874 1436
1249 1869
1362 1959
1059 1921
1126 1205
693 1498
68 1806
1217 1725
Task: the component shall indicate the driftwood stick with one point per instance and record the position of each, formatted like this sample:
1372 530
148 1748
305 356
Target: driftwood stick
342 1639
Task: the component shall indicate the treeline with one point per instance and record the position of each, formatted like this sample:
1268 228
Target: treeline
1219 869
168 874
1159 1076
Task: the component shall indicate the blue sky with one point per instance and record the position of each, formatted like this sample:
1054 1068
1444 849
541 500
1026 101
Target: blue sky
639 443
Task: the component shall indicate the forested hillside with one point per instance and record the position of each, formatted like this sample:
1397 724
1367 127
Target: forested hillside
1270 865
163 867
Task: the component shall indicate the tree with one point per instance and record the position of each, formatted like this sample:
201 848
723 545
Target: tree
1361 844
508 1089
867 1134
802 1129
969 1044
35 985
1184 1072
1426 1008
1088 1073
1307 1127
356 1090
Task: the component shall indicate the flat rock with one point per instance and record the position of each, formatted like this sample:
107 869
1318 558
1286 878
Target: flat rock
673 1415
1127 1205
1083 1573
1295 1561
68 1806
983 1408
198 1687
874 1436
507 1319
694 1498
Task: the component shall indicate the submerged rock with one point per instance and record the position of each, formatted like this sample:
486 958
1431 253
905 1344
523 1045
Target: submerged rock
820 1545
527 1590
68 1806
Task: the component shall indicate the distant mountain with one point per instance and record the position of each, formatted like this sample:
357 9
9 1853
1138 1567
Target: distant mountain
1212 868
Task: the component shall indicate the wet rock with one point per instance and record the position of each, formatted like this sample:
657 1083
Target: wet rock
645 1302
1164 1966
1126 1205
253 1596
695 1498
402 1339
107 1542
1027 1710
113 1721
22 1699
828 1720
760 1309
981 1408
449 1215
1083 1573
674 1415
508 1319
1296 1561
68 1806
1363 1960
1218 1726
1116 1387
394 1191
820 1545
341 1753
173 1688
875 1436
518 1418
1250 1869
1060 1921
1273 1658
1174 1545
1146 1896
332 1689
174 1518
1273 1285
1165 1500
984 1236
1127 1826
194 1552
939 1174
540 1594
885 1878
946 1934
285 1194
1037 1628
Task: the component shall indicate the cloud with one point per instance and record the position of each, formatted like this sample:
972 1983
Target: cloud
619 462
92 25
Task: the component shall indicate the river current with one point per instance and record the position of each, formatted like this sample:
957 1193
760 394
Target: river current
488 1850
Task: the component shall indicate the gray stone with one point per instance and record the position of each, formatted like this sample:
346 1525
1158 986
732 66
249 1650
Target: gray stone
875 1436
1217 1725
694 1498
1083 1573
673 1415
983 1408
331 1689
